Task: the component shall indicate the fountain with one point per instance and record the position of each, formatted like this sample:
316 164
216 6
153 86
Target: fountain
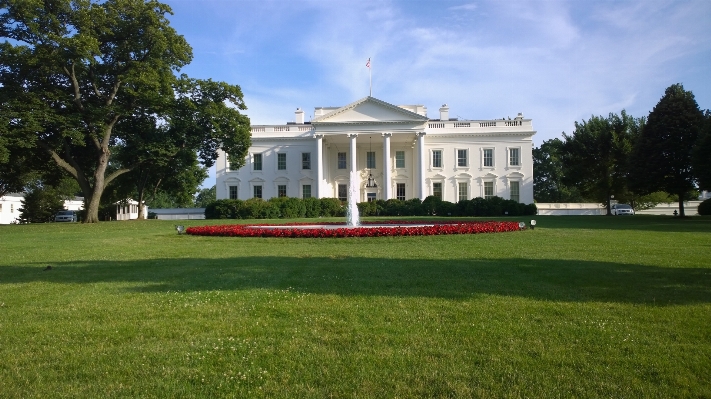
352 215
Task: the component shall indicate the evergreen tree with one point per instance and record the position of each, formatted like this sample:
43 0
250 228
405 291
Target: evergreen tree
661 157
701 161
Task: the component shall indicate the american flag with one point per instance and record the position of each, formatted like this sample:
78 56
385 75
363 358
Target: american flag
367 64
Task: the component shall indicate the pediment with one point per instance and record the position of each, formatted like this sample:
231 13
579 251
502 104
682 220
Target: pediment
369 110
489 176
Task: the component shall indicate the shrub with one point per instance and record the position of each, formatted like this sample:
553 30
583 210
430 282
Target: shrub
223 209
371 208
705 207
292 208
413 207
332 207
257 208
430 205
313 207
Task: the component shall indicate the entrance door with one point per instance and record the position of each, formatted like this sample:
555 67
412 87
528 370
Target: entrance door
371 197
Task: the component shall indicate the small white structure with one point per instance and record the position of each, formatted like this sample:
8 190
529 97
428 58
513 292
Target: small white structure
179 213
573 208
128 210
394 152
10 205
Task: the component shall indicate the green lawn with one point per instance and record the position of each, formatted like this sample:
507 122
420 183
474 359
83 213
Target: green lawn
579 307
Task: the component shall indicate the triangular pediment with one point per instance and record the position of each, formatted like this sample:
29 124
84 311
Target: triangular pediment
369 110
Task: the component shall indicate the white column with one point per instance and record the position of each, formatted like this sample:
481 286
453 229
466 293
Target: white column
387 184
319 163
353 137
421 164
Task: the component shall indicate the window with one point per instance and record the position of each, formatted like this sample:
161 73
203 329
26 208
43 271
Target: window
462 158
400 191
281 190
399 159
341 160
463 189
371 197
514 159
12 208
436 158
437 190
233 192
488 189
281 161
370 160
229 164
305 160
257 161
514 191
306 191
343 192
0 207
488 157
257 191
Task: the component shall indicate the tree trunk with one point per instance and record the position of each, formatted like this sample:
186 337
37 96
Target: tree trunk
141 205
681 204
92 207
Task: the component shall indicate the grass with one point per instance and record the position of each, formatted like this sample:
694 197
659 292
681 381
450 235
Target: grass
579 307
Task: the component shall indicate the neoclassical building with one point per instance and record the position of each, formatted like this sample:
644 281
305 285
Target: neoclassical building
395 152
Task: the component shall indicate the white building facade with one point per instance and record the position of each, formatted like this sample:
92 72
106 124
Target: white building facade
395 152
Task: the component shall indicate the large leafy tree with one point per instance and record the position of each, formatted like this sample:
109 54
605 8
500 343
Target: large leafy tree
75 71
661 158
701 160
205 197
594 157
548 183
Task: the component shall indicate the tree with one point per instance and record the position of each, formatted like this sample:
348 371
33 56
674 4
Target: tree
548 175
40 204
205 197
661 158
594 157
701 161
76 72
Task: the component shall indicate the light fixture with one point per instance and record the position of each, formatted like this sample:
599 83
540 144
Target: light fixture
533 224
180 228
371 182
521 225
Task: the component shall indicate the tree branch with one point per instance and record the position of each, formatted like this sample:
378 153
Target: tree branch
75 85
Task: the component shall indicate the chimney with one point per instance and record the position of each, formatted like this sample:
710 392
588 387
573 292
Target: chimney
299 116
444 113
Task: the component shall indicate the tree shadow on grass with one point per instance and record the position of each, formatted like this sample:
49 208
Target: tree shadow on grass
551 280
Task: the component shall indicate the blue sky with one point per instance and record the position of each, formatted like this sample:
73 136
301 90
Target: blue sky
557 62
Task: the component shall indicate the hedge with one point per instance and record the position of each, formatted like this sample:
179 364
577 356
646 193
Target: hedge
291 208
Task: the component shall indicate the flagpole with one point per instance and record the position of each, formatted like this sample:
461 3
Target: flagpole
370 74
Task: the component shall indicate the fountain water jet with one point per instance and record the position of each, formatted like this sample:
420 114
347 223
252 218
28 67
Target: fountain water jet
352 215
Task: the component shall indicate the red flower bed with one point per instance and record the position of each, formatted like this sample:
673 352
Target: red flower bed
399 228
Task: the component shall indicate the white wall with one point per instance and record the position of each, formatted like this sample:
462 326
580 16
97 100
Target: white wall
10 209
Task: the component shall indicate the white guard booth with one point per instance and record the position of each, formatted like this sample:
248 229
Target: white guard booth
128 210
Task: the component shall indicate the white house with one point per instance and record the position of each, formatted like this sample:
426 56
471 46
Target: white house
10 205
395 152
